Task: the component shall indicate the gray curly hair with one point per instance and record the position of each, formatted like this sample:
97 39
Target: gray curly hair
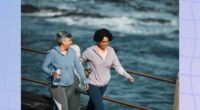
60 36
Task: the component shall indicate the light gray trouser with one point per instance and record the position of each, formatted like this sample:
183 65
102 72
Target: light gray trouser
65 96
61 95
74 101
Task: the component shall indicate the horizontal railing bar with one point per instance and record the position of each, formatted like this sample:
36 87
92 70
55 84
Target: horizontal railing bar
35 81
153 76
83 92
125 103
34 50
118 101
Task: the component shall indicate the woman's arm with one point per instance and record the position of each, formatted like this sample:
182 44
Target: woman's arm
118 67
80 70
46 63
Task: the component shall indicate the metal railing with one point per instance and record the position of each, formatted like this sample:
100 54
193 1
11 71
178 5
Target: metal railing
107 98
153 76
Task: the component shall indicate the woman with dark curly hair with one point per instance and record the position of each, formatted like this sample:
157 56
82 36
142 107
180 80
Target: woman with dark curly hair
100 58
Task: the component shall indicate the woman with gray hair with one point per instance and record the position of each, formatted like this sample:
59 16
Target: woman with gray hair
59 66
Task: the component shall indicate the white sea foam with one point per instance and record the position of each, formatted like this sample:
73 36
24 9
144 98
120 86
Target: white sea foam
120 24
43 13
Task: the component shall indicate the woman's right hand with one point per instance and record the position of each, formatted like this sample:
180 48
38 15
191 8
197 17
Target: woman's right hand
55 74
131 79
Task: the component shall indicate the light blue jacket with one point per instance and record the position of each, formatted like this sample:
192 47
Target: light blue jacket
55 60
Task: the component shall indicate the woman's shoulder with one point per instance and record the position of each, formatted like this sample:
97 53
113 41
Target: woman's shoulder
71 50
52 51
110 49
89 49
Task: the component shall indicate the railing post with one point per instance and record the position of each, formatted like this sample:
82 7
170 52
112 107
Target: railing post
176 96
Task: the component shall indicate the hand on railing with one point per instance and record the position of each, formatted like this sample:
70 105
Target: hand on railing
131 79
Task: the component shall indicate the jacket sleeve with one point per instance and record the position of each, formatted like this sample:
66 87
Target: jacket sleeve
46 64
84 57
80 70
118 67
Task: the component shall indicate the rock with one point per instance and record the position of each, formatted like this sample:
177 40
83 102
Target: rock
27 8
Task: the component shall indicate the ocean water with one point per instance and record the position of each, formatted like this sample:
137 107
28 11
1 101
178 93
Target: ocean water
145 38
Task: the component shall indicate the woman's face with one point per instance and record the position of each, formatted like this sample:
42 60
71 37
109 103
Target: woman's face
104 43
67 42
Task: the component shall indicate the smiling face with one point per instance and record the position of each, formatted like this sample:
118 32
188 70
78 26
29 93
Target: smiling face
104 43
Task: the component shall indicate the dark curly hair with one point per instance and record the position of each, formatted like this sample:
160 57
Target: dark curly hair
101 33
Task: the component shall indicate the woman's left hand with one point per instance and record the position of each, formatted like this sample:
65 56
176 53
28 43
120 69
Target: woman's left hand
87 87
131 79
